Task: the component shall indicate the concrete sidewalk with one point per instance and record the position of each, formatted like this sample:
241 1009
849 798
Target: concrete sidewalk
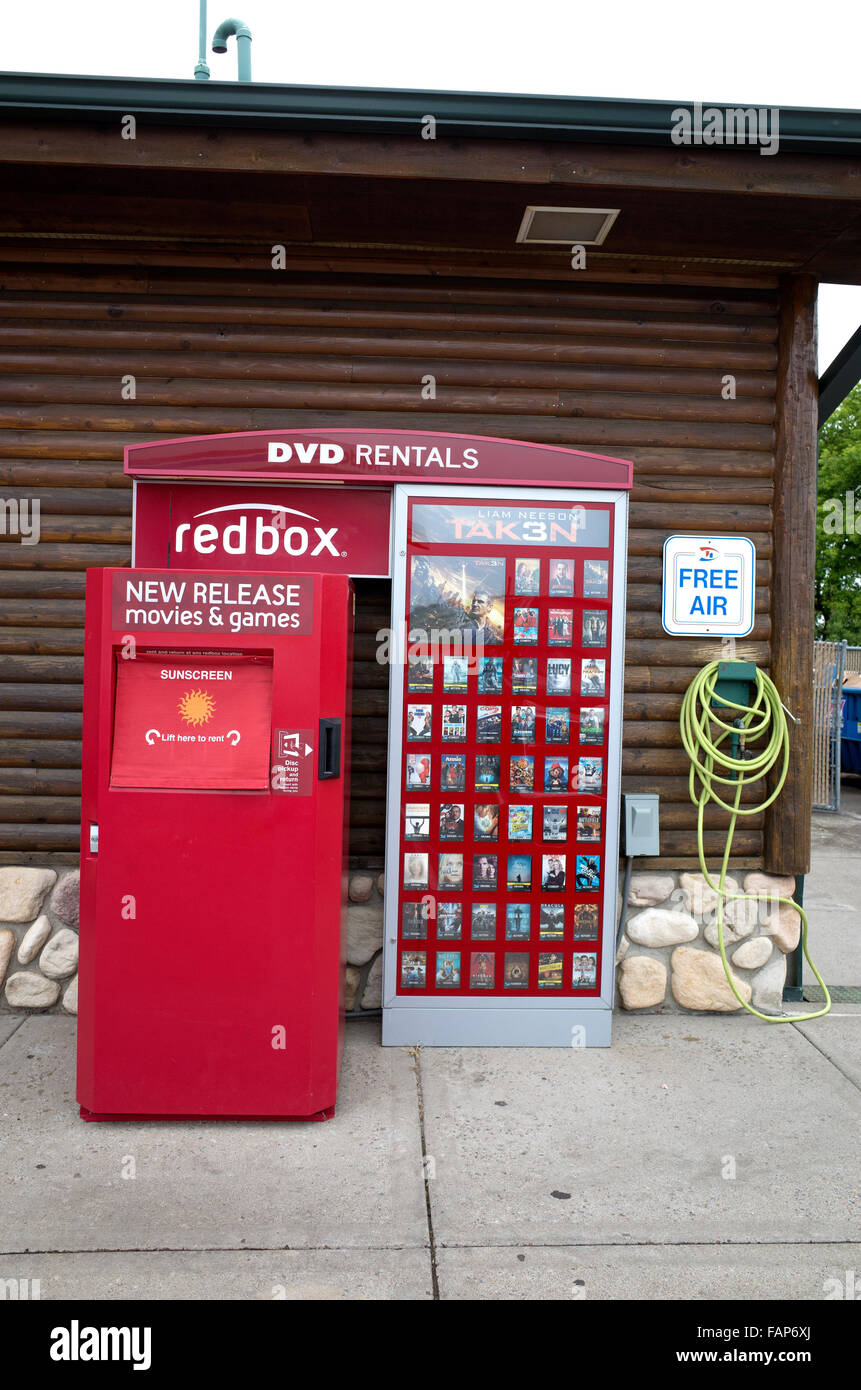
832 889
698 1157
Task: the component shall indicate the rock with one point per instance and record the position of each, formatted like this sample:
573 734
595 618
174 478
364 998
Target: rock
623 949
353 977
742 914
361 888
698 982
70 998
27 990
22 891
364 931
64 899
699 898
711 935
661 926
60 957
784 927
769 885
642 982
768 986
34 939
7 946
647 890
381 884
373 995
752 954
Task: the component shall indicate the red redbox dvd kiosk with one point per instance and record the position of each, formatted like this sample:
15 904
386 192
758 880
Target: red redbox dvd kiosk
213 856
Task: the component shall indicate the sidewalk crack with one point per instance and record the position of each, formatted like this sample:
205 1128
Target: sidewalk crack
823 1053
427 1165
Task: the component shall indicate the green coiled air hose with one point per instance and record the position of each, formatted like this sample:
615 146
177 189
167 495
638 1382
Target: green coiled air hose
714 767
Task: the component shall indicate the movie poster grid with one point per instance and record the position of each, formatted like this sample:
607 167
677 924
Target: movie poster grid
465 597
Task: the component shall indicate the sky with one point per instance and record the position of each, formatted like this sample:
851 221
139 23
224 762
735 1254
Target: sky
783 53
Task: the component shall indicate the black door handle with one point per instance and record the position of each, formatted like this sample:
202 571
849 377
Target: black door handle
329 758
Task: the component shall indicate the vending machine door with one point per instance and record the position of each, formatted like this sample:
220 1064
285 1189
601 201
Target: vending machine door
504 766
213 894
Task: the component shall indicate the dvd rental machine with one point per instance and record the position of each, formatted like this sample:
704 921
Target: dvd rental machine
505 653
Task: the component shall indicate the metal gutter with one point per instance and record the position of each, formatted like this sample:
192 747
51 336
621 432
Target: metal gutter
390 111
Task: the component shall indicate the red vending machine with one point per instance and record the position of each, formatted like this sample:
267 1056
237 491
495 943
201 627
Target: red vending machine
213 856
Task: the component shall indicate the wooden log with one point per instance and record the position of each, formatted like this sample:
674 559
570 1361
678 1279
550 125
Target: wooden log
667 516
691 651
648 733
40 584
676 815
157 393
658 678
79 473
364 842
65 556
27 836
100 440
702 488
113 530
80 501
679 842
58 620
40 724
345 368
640 624
51 695
40 858
637 759
244 337
672 788
40 641
787 834
642 542
274 308
44 668
315 282
577 167
54 810
39 752
49 781
687 863
647 568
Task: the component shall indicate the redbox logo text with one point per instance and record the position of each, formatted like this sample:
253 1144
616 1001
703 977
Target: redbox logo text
257 535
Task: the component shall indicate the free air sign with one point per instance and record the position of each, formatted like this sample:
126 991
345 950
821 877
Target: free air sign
708 586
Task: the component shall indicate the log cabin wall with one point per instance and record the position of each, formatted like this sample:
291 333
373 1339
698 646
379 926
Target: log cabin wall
637 371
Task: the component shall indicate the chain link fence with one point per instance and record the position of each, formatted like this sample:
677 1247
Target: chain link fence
829 667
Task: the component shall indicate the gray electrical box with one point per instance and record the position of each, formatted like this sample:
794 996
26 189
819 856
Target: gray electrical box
641 823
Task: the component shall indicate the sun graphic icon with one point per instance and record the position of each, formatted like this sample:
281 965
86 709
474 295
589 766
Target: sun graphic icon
196 707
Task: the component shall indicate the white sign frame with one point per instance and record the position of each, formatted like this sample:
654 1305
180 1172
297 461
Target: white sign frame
686 547
529 1021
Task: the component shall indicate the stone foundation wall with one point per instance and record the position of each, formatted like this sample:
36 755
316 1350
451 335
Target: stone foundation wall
39 940
669 960
365 942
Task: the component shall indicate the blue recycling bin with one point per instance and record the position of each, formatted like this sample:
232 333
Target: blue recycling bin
850 735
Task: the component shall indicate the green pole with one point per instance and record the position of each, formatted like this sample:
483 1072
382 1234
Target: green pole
201 71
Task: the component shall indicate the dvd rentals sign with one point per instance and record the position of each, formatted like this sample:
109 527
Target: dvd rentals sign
318 499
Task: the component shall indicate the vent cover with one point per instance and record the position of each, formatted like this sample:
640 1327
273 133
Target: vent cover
565 226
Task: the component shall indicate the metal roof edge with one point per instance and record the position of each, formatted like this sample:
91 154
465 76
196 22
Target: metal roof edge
394 111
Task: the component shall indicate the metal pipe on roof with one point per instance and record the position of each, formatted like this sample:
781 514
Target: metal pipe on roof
243 44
